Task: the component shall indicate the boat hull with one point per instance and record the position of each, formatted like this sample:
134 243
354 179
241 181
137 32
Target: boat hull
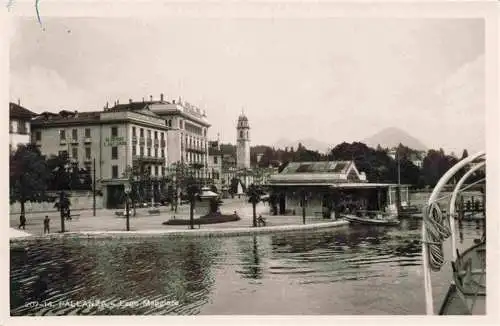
369 221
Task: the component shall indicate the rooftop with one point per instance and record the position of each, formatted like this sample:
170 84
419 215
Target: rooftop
20 112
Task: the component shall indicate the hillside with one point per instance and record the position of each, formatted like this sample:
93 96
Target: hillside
392 137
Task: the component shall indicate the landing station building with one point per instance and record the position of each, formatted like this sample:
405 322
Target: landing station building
327 186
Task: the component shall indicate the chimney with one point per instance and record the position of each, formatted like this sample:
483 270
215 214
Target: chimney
130 100
19 101
107 104
161 97
117 102
151 98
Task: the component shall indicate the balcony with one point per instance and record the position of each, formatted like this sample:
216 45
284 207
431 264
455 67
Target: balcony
142 141
74 140
74 160
62 142
87 160
149 159
134 139
163 143
149 142
87 140
156 142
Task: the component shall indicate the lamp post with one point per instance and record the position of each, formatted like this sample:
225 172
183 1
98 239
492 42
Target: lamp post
304 195
127 210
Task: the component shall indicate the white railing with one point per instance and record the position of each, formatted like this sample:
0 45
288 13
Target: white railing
430 210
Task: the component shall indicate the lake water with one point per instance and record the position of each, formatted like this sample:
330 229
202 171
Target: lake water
351 270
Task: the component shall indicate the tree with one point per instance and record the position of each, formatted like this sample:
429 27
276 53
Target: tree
465 154
254 197
29 176
193 189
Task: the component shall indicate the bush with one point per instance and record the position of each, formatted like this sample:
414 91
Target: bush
207 219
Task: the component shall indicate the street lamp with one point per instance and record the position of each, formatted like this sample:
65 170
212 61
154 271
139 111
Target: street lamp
127 210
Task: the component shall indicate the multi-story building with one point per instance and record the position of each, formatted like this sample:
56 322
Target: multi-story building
116 138
215 164
187 139
19 125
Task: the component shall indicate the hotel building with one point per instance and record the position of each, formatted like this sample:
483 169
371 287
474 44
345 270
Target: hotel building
116 138
187 140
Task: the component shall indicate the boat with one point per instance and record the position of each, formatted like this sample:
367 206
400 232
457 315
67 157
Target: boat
467 289
376 219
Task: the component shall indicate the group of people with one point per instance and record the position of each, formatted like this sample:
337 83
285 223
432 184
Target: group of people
46 223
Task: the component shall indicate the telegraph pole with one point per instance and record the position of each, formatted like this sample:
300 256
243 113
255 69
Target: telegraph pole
93 188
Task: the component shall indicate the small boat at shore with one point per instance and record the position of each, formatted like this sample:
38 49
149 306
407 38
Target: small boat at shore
467 291
376 219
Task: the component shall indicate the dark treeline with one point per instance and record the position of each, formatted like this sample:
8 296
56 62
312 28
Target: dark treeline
32 176
375 162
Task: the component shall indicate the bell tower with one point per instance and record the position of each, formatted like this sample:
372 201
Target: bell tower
243 142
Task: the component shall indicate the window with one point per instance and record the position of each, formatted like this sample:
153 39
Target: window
141 132
215 159
156 134
170 123
205 132
241 134
74 134
133 131
156 169
87 153
162 153
134 151
156 152
87 133
38 136
114 153
74 153
141 151
114 132
63 154
162 136
22 127
181 124
62 134
149 134
114 171
149 151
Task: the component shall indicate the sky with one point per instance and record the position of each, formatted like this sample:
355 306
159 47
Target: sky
333 80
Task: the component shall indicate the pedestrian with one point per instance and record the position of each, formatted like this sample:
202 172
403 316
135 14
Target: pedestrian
46 224
22 222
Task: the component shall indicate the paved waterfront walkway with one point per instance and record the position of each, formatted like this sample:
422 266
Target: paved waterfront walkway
106 223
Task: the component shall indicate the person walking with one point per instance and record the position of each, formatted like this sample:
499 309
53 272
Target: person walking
22 222
46 224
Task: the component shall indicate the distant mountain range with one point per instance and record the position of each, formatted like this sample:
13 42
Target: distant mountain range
308 143
389 137
392 137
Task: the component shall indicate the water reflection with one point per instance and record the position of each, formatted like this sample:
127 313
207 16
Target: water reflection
250 259
208 272
112 272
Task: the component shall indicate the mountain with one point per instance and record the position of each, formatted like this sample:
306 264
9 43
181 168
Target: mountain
392 137
309 143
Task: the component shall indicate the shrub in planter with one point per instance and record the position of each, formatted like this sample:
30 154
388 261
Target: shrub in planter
207 219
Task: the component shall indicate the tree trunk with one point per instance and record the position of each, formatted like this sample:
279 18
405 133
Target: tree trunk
23 210
254 214
191 212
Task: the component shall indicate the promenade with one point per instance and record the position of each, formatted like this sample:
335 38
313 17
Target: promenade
106 222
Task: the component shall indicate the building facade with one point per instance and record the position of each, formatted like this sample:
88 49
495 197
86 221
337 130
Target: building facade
187 140
117 139
215 172
19 125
